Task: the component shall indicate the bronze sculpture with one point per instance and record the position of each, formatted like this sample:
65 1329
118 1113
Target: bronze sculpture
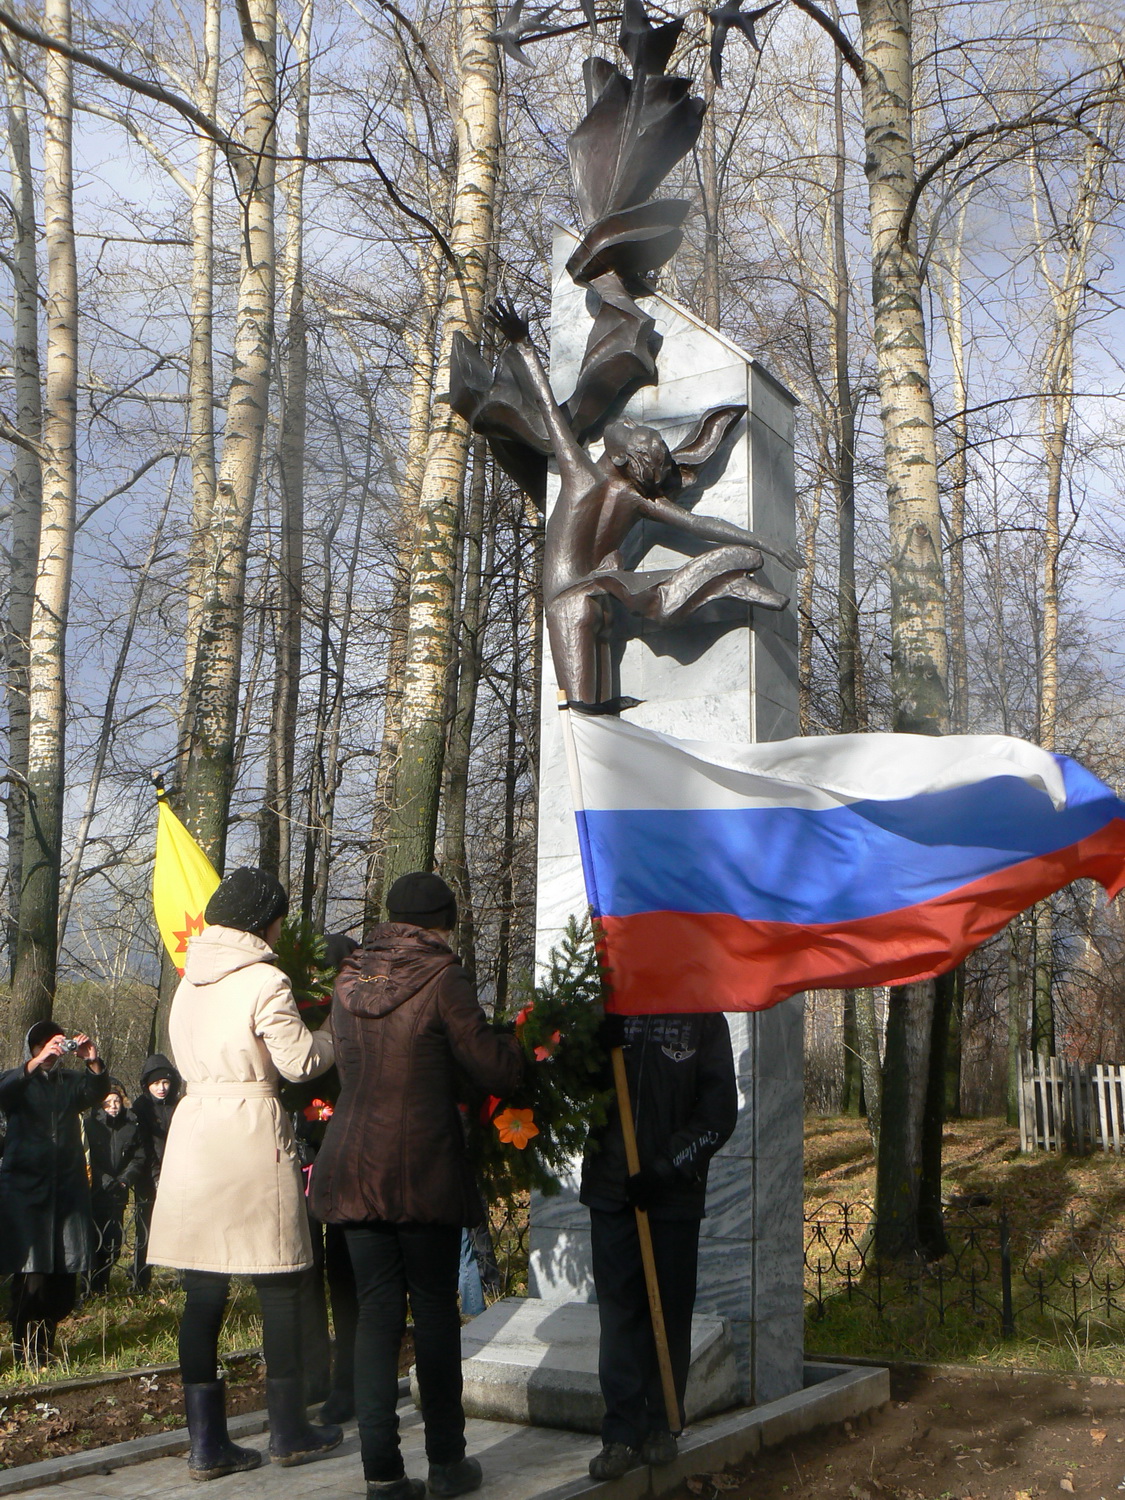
634 131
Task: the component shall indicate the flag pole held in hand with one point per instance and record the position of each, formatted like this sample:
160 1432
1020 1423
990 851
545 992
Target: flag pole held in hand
628 1131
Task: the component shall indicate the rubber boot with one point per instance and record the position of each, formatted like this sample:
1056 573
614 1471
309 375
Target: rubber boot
293 1438
212 1453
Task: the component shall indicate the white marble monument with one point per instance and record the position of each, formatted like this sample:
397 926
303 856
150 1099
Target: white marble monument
705 680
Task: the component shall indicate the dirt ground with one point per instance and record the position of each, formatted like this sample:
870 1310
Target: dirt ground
951 1436
48 1422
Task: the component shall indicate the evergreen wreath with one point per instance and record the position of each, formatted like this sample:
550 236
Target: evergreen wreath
526 1140
302 955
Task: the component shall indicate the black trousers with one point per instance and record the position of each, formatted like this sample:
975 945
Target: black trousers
206 1302
391 1263
627 1367
109 1230
40 1300
142 1220
345 1307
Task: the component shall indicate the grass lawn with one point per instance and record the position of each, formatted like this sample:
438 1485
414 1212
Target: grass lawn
1066 1224
124 1331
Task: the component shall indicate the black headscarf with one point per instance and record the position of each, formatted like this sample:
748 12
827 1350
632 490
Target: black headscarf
248 900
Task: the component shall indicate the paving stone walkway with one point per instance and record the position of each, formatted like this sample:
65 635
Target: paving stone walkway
519 1464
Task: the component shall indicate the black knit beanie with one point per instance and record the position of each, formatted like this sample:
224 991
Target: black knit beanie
337 946
248 900
423 900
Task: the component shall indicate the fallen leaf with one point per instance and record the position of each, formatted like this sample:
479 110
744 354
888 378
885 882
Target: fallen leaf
1067 1485
697 1483
1098 1434
725 1481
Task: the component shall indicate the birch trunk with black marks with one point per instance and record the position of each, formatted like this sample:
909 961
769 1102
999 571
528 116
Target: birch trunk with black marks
277 815
1066 289
418 427
454 855
27 479
214 693
919 656
33 982
201 369
432 606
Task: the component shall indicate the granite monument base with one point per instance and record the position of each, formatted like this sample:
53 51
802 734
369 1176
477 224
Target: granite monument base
526 1360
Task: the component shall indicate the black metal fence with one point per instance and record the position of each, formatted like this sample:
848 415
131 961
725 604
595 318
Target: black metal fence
1004 1275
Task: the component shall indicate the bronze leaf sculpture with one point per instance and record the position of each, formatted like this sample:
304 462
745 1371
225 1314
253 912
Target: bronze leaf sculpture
634 132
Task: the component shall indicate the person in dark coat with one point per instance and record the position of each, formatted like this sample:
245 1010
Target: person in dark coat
393 1170
153 1109
46 1231
685 1106
117 1161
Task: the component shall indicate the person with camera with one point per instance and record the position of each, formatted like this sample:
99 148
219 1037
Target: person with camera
46 1227
117 1160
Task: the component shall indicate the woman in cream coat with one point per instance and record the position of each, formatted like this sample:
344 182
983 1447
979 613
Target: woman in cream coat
230 1200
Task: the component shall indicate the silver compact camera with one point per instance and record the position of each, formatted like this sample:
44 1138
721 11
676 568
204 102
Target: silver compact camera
70 1045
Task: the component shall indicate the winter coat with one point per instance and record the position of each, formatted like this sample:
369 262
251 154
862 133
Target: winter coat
117 1153
230 1196
685 1106
405 1018
45 1223
154 1116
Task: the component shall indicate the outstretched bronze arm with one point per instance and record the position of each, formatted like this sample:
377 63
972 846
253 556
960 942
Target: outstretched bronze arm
573 460
711 528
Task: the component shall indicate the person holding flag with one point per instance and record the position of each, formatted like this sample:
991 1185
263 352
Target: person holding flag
680 1071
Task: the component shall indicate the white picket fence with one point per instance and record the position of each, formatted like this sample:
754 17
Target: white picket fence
1074 1107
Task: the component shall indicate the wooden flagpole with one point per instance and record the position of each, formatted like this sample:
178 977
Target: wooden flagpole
644 1235
633 1161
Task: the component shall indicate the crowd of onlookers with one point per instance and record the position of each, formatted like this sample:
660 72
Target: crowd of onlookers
381 1212
74 1149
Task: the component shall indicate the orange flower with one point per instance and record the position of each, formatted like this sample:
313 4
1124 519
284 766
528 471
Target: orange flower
516 1127
548 1049
523 1015
319 1109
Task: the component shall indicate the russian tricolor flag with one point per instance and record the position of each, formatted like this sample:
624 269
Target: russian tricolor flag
727 877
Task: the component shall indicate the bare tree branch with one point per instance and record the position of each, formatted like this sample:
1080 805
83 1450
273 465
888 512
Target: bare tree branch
838 35
148 464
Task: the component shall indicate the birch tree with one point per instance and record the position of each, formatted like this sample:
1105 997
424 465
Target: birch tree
277 814
33 981
413 822
27 485
213 694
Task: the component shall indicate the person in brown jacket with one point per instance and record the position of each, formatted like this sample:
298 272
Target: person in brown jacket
393 1171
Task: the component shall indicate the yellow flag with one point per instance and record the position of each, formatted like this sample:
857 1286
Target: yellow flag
183 879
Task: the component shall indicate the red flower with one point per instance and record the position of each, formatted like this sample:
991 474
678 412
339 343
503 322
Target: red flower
548 1049
319 1109
523 1015
488 1109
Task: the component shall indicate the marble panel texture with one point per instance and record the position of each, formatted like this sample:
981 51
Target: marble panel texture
732 678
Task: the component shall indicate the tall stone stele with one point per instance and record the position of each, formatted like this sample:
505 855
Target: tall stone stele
667 479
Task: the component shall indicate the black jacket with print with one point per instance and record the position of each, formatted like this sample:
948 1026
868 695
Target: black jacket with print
685 1105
